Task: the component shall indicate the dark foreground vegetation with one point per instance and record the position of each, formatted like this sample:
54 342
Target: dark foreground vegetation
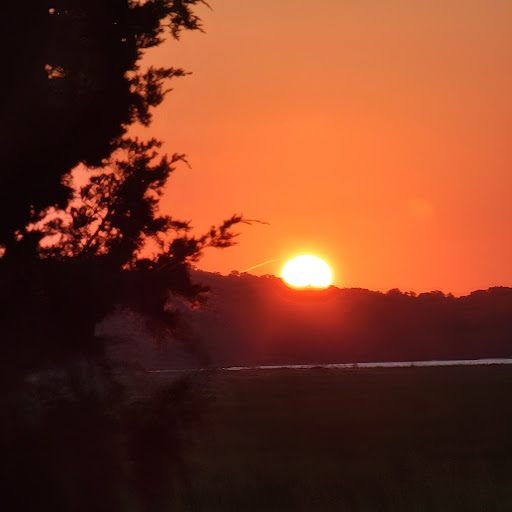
82 234
400 439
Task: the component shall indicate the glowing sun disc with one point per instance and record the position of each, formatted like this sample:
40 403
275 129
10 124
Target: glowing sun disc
307 270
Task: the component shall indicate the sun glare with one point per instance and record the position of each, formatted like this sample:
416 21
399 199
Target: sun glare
307 270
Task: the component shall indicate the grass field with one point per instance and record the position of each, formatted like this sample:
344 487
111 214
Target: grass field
401 439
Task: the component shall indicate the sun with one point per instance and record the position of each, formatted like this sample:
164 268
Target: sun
307 270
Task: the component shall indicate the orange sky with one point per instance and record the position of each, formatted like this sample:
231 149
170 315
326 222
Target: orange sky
376 135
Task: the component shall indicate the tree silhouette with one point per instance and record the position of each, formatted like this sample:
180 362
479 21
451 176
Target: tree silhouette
72 435
79 87
76 87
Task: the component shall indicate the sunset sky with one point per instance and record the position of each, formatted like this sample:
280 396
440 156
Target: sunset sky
376 135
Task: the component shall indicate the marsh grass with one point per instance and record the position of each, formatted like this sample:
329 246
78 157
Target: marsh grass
415 439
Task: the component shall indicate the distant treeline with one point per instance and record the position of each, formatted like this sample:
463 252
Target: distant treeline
260 320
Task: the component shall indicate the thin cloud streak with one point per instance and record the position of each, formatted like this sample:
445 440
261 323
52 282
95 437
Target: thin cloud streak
258 265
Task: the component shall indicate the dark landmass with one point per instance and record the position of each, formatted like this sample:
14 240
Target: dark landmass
397 439
251 320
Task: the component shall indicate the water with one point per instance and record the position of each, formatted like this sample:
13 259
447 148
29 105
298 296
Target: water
393 364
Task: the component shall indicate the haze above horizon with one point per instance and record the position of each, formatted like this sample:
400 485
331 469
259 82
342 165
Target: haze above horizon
375 136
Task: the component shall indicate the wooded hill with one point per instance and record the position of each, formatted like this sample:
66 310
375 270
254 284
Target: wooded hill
259 320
